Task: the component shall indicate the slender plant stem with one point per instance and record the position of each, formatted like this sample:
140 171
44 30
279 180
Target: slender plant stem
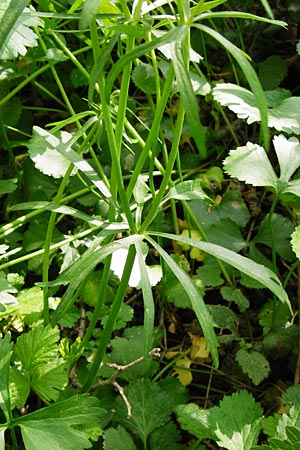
108 328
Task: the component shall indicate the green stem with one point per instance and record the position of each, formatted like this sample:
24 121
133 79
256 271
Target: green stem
108 328
97 309
168 171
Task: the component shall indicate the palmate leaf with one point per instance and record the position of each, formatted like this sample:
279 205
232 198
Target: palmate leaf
284 116
66 424
251 164
36 355
234 425
16 34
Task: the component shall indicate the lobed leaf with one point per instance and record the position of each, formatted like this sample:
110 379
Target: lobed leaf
66 424
251 164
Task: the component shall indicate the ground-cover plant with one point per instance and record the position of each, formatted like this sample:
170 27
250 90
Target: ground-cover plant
100 101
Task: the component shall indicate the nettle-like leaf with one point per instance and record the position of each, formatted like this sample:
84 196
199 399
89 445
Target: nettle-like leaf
234 425
66 424
20 35
144 78
146 399
118 438
43 151
254 364
284 116
235 295
251 164
36 355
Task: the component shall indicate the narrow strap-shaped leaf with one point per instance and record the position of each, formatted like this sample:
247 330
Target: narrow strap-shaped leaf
198 304
188 97
13 11
169 36
79 270
257 271
149 310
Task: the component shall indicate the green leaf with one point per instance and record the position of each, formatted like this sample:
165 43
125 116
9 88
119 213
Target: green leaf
8 186
226 234
245 265
5 355
187 95
187 190
131 347
66 424
16 33
235 295
254 364
19 388
250 75
288 154
282 229
118 438
232 207
43 150
234 425
166 437
251 164
272 71
198 304
283 116
224 317
36 355
144 79
146 399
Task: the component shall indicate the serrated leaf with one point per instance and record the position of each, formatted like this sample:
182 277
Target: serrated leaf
283 117
251 164
5 355
224 317
288 154
282 229
232 206
43 151
254 364
8 186
19 388
144 79
166 437
16 33
187 190
235 295
145 398
118 438
195 420
238 99
65 424
36 355
131 347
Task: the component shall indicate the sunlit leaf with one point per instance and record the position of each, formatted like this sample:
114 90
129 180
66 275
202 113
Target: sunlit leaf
16 33
251 164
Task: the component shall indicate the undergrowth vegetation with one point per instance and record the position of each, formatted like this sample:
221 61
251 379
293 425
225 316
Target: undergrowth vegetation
150 237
